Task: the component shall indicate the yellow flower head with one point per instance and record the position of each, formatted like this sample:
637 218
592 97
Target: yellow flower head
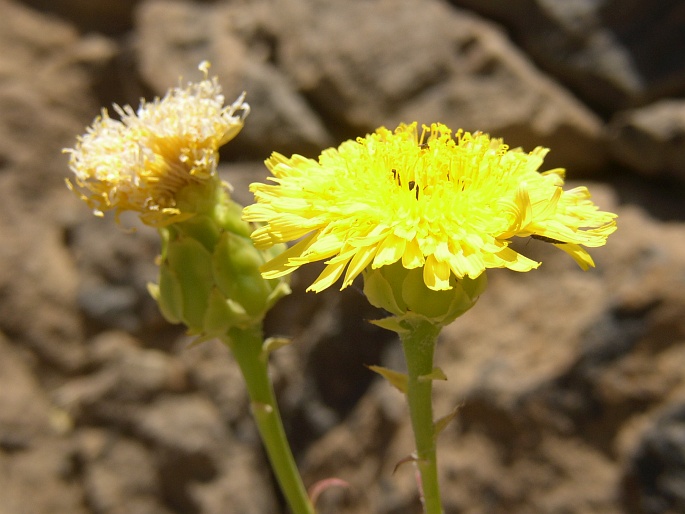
449 204
143 160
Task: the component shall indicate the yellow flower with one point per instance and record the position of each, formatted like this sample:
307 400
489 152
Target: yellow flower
143 160
449 205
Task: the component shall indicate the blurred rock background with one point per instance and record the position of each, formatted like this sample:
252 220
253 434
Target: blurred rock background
571 385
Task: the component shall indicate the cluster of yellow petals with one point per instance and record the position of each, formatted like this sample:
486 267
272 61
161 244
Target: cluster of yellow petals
142 160
450 203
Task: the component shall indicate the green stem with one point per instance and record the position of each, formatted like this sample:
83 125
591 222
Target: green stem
419 346
246 346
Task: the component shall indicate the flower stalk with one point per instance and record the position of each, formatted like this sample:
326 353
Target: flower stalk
252 358
418 344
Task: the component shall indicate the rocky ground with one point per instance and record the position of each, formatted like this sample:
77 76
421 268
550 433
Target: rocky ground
571 384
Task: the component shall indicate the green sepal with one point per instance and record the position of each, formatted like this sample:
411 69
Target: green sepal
236 265
201 228
153 290
169 295
190 265
379 292
228 215
396 379
223 313
420 299
403 292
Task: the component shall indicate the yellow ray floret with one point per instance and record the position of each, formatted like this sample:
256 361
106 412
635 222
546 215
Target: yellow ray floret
142 160
447 203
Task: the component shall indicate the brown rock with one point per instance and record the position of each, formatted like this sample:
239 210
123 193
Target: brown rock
174 37
213 371
115 263
40 480
281 121
124 374
196 427
242 485
654 476
119 474
615 54
34 455
454 68
37 285
24 407
44 92
650 139
108 17
201 466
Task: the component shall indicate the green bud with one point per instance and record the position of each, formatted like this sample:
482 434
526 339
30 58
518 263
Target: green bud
403 292
209 276
236 265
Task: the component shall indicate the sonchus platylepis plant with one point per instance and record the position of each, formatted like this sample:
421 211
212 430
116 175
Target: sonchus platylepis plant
421 216
160 161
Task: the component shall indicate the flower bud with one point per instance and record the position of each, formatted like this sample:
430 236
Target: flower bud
209 276
403 292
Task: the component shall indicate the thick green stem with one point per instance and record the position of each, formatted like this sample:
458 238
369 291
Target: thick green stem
419 346
246 346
